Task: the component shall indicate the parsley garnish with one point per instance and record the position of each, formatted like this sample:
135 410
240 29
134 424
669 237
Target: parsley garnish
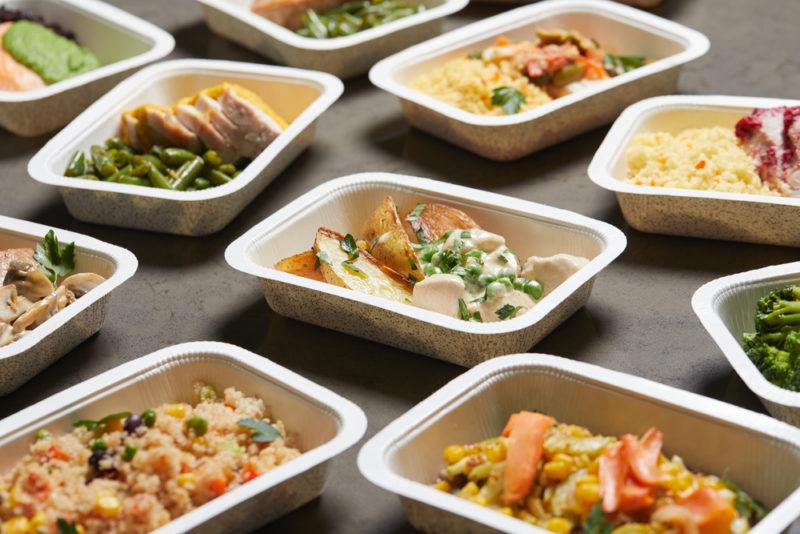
413 220
348 244
55 260
413 279
476 55
477 317
463 311
89 424
466 234
322 257
65 527
750 508
412 264
508 312
449 260
502 258
616 65
352 269
264 432
597 522
508 98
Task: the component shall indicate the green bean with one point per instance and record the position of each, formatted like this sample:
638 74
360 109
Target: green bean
228 169
317 28
133 180
190 188
102 161
201 183
212 158
76 165
156 178
117 143
117 175
175 157
217 178
187 173
139 170
155 150
88 177
120 157
152 160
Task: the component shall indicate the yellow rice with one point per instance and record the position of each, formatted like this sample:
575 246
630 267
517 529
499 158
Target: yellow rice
699 158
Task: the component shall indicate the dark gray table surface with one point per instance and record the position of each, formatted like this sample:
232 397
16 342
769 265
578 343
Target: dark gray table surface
639 319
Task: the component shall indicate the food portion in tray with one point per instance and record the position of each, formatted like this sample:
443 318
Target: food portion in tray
511 77
775 345
325 19
36 52
201 141
436 258
563 478
37 284
135 472
760 156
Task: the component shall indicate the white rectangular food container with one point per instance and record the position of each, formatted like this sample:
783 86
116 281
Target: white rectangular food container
122 42
40 347
621 28
323 424
770 220
727 308
299 96
758 453
345 203
342 56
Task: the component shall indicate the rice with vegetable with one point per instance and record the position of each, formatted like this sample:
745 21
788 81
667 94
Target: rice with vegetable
135 472
563 478
699 158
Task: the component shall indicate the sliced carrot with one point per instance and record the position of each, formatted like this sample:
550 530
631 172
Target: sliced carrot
642 456
613 470
526 432
635 496
53 452
502 41
712 513
219 485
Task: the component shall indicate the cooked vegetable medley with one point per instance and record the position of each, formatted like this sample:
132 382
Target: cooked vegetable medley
353 17
511 77
775 345
565 479
436 258
134 472
37 284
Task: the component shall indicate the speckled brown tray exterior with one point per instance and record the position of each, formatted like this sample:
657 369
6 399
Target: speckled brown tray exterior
342 56
23 359
762 219
344 204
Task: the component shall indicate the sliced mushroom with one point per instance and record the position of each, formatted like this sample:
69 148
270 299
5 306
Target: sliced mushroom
81 283
8 304
40 312
6 334
31 282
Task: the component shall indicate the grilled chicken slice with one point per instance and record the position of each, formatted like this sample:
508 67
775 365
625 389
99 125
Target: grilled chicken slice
221 123
258 127
167 127
289 13
14 76
198 122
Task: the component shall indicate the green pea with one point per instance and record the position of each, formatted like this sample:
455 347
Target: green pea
430 270
486 279
427 252
129 452
98 445
149 417
534 289
197 424
42 433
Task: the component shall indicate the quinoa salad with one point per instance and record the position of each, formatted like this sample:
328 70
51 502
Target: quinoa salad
135 472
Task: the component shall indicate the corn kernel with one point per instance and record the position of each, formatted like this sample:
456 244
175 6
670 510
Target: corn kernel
17 525
496 452
557 470
38 520
186 479
14 495
559 525
470 490
481 501
444 486
80 529
454 453
594 467
587 492
507 511
176 410
108 506
200 441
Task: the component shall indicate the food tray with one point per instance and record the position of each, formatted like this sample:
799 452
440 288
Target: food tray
727 307
122 42
299 96
687 212
760 454
343 204
343 56
325 424
22 359
623 29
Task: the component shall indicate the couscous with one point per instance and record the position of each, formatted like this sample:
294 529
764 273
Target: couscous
135 472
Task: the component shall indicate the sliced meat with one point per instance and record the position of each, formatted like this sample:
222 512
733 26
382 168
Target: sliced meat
14 76
129 131
169 127
770 136
155 120
289 13
233 136
260 129
198 123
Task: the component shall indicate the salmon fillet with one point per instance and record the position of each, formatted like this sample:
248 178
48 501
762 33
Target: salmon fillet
289 13
14 76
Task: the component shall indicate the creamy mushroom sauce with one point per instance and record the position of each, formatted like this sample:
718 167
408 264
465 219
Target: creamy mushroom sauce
472 275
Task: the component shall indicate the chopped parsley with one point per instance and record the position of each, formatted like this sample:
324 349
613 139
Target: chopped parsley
477 317
502 258
508 312
597 522
508 98
413 279
412 264
65 527
466 234
348 244
55 260
264 432
322 257
463 311
413 220
352 269
616 65
476 55
449 260
750 508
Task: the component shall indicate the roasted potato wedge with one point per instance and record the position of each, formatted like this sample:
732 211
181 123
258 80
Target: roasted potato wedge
429 222
364 273
388 242
303 264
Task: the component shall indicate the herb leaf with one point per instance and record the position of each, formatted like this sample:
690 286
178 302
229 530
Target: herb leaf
597 522
508 98
348 244
352 269
322 257
463 311
88 424
616 65
750 508
477 317
508 312
264 432
475 55
55 260
66 528
466 234
413 220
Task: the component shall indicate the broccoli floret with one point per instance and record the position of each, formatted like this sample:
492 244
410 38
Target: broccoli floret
779 308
